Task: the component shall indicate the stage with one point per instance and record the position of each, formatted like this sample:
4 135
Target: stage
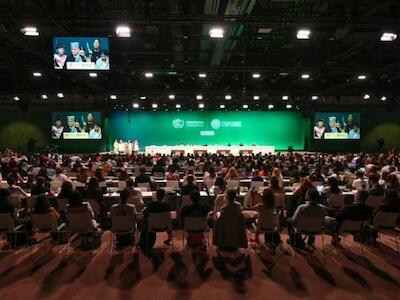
212 149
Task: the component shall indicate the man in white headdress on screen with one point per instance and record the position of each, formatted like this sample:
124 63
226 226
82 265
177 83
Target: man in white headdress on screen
130 147
115 146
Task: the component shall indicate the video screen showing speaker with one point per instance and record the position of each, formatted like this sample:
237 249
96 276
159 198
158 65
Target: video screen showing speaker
82 125
81 53
336 125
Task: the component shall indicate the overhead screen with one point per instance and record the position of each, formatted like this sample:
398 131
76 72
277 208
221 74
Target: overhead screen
337 125
279 129
81 53
73 125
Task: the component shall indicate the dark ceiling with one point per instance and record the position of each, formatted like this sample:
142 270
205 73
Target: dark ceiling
170 38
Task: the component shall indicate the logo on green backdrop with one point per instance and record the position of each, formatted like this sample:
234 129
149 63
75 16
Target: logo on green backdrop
215 124
178 123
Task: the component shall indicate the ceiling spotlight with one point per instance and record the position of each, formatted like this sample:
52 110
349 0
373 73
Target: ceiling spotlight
222 106
228 97
366 96
289 106
93 74
148 75
303 34
199 97
123 31
383 98
216 32
388 37
201 105
256 97
16 98
30 31
37 74
142 97
270 106
245 106
202 75
171 96
60 95
314 98
135 105
362 77
178 106
44 96
154 105
285 97
113 97
305 76
283 74
256 75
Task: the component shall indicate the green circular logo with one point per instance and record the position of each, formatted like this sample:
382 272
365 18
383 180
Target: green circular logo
215 124
178 123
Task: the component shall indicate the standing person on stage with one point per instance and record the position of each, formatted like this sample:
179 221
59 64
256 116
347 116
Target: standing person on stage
130 148
115 145
121 147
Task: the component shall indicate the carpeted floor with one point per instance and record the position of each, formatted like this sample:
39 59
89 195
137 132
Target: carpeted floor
374 274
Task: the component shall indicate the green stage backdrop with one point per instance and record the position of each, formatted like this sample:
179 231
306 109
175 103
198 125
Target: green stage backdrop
279 129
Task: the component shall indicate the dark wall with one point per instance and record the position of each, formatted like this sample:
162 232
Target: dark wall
17 127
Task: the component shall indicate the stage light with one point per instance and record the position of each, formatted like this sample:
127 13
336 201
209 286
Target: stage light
383 98
171 96
30 31
285 97
37 74
202 75
201 105
178 106
199 97
303 34
142 97
148 75
362 77
16 98
44 96
289 106
314 98
135 105
256 75
113 97
123 31
283 74
93 75
228 97
245 106
305 76
216 32
154 105
60 95
256 97
388 37
366 96
270 106
222 106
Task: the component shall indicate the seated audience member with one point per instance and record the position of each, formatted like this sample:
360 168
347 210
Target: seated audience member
312 210
375 189
123 175
188 188
276 172
358 211
331 187
76 204
66 189
266 210
258 175
99 175
172 174
142 178
230 228
295 178
317 176
60 176
232 174
391 203
194 210
275 187
252 198
124 209
14 189
93 191
247 173
82 177
209 177
42 206
5 205
189 172
16 176
299 195
135 195
40 187
392 183
159 168
147 239
359 183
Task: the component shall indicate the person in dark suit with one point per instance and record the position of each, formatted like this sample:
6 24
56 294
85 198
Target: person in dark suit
190 187
142 178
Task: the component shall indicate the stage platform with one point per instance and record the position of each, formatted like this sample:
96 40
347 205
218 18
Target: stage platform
217 149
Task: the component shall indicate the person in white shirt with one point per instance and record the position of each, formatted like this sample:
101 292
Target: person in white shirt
59 176
115 146
360 183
